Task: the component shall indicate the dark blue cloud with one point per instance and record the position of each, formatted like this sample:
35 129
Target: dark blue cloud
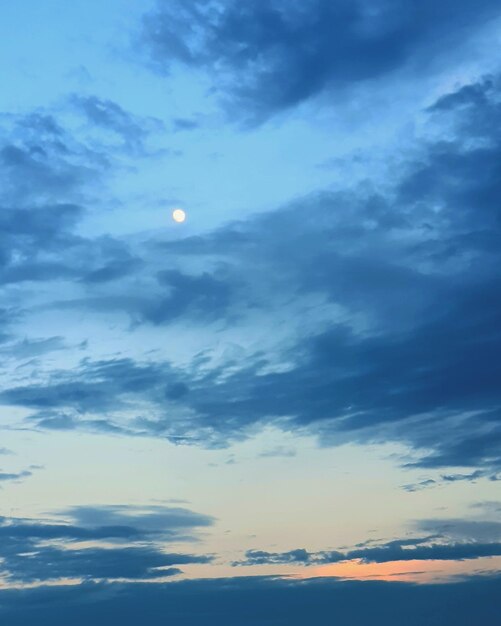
256 602
98 387
42 169
202 296
269 56
172 294
46 173
47 563
421 549
167 521
41 550
113 260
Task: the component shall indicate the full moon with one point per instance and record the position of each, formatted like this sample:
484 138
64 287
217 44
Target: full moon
178 215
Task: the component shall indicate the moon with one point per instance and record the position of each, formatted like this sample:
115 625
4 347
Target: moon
178 215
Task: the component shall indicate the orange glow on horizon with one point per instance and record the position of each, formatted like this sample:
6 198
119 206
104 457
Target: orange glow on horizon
405 571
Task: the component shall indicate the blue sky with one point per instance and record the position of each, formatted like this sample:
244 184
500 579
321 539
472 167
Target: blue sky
293 395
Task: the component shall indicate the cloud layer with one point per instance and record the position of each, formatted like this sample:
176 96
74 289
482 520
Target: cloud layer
265 57
257 601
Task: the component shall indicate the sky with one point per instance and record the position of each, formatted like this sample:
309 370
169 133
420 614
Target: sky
286 408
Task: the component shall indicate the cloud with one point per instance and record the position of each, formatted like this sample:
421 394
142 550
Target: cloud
266 57
490 506
44 163
261 557
181 123
202 296
39 246
278 451
256 601
169 522
47 174
419 549
464 529
92 563
98 386
28 348
133 130
42 551
419 486
445 479
15 476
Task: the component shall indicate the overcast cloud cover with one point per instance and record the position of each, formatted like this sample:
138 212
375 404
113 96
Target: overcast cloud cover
292 400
